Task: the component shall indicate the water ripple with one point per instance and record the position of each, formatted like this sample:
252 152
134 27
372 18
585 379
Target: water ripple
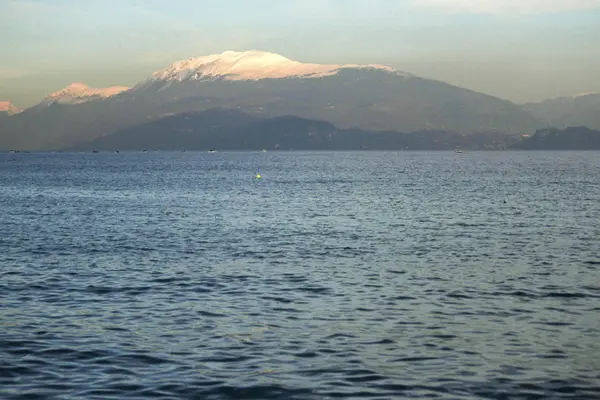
177 275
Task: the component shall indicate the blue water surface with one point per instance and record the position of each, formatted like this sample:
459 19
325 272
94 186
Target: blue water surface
349 275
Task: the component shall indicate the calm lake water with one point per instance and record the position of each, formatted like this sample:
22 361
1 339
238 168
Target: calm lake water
337 275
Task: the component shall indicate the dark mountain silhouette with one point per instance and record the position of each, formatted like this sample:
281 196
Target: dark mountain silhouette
223 129
572 138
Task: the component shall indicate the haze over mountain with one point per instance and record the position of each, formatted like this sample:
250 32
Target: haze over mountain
368 97
565 111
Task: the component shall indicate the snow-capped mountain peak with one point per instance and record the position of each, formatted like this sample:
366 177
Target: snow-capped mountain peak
9 108
585 94
78 92
249 65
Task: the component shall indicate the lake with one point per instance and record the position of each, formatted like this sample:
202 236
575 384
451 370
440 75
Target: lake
337 275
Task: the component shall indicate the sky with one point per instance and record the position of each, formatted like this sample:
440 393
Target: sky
520 50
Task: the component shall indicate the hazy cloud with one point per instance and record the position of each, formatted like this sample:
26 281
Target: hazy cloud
22 8
508 6
10 73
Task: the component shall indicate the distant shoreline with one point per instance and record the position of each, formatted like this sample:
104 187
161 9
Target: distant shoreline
104 152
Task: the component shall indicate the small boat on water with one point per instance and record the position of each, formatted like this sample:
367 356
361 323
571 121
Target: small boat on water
458 151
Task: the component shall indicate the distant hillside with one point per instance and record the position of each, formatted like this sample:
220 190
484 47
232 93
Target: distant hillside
583 110
222 129
572 138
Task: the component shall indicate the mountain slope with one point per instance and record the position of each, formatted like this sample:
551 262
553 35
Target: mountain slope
368 97
362 96
568 111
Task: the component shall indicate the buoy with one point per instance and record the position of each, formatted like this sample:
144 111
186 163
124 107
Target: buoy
258 176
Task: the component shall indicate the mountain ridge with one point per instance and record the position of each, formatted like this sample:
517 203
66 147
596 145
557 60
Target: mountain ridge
370 97
78 92
250 65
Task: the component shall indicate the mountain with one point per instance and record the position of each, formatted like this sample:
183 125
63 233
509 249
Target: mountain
78 92
249 65
572 138
7 108
349 96
562 112
367 97
223 129
66 116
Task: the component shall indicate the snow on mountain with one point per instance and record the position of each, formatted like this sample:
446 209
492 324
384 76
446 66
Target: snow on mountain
250 65
8 108
585 94
78 92
567 98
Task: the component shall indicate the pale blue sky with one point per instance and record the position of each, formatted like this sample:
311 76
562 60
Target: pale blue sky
521 50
